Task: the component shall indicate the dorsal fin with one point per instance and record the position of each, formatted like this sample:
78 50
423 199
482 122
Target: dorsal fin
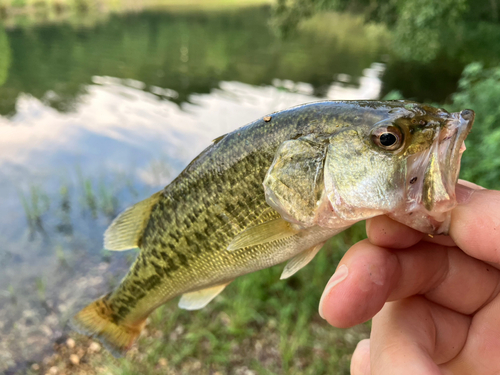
126 230
266 232
299 261
218 139
200 298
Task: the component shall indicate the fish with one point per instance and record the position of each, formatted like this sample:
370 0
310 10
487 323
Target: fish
273 191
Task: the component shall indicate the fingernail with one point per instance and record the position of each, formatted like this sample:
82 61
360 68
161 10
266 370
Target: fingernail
463 193
339 276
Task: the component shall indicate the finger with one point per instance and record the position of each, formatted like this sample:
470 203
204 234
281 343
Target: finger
475 226
480 353
360 361
371 275
464 284
360 286
385 232
413 335
440 239
469 184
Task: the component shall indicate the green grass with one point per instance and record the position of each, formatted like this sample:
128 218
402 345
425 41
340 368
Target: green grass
35 204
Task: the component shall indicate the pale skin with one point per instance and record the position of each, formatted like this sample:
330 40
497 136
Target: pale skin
435 302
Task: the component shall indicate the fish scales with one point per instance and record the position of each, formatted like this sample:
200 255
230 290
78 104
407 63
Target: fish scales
279 167
198 257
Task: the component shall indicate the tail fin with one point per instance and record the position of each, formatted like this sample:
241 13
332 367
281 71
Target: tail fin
96 320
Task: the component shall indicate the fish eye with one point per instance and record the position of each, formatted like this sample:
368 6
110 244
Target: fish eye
388 137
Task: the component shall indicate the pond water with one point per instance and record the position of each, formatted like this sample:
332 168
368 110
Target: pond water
95 118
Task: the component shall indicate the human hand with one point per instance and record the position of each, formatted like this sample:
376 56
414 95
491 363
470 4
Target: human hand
435 302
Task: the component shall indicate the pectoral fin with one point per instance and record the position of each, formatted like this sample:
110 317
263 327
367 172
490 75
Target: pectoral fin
299 261
200 298
126 230
269 231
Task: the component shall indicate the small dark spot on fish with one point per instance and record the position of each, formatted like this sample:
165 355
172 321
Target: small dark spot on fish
151 282
162 243
171 265
123 310
199 236
413 180
174 236
267 118
411 213
139 295
183 259
158 268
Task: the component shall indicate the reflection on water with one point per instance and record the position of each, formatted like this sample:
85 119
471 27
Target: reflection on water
186 52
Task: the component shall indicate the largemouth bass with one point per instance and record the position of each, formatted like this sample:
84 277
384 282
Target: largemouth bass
276 190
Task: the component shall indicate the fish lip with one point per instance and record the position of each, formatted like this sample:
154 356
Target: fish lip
450 141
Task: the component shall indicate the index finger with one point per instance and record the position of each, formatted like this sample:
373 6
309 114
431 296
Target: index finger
475 226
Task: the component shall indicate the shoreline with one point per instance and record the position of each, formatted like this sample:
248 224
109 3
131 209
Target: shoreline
84 13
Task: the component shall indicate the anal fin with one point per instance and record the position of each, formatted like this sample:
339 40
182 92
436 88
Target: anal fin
269 231
299 261
200 298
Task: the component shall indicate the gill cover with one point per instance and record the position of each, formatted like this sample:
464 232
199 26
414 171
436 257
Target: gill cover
332 181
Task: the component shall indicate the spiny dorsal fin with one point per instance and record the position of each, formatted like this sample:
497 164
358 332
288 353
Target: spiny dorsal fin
218 139
126 230
269 231
200 298
300 260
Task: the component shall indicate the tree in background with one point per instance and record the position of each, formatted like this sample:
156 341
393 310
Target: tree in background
5 56
479 89
421 29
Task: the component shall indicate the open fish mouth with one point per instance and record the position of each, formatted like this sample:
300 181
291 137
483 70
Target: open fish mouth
451 145
433 174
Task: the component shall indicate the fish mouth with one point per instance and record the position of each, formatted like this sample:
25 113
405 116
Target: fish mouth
448 150
432 177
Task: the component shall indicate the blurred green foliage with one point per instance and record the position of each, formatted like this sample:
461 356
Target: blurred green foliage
479 89
421 27
5 56
87 13
421 30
